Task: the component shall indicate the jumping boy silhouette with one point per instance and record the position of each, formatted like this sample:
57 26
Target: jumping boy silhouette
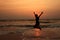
37 20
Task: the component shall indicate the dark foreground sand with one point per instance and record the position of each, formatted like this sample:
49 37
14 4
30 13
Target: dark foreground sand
30 34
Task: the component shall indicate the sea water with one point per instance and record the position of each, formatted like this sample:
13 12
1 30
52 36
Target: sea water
43 23
50 29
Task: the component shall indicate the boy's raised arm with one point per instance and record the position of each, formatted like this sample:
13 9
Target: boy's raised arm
41 14
34 13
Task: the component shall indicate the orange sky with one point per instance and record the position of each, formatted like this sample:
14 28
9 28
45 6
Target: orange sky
21 9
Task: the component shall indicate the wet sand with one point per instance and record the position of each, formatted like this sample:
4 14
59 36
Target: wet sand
29 34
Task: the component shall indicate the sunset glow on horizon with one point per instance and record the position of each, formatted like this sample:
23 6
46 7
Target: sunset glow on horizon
21 9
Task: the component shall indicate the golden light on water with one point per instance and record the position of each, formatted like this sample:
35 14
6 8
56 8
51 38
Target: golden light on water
37 32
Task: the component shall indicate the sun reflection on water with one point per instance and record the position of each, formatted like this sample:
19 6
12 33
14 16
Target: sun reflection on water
37 32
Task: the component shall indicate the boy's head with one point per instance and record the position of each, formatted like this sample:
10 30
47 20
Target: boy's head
36 15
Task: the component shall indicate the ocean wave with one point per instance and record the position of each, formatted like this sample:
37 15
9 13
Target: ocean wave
42 26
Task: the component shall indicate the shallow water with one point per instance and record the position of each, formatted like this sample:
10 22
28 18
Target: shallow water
43 23
25 30
30 33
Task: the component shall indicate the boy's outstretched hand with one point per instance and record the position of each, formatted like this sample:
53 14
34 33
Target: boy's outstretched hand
34 12
41 13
